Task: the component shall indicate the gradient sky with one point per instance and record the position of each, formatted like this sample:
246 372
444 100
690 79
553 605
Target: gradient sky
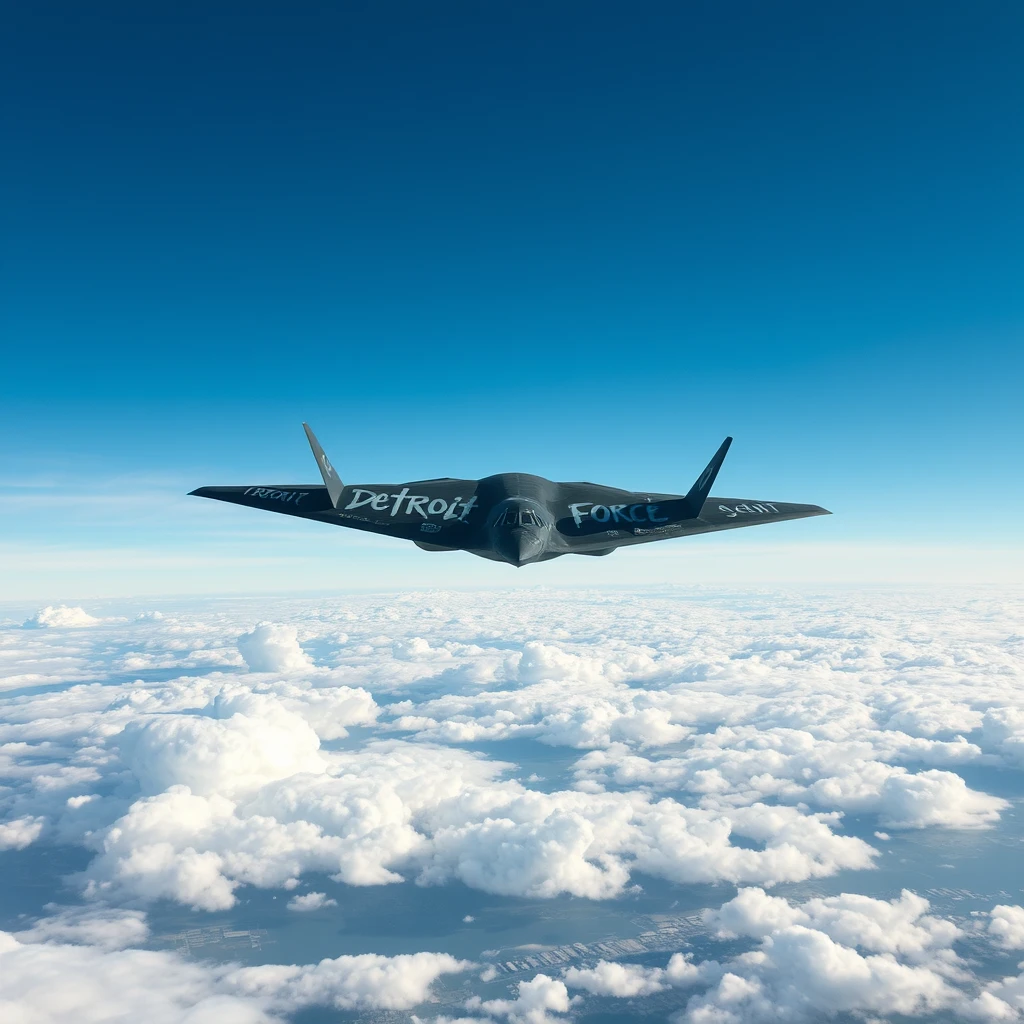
578 240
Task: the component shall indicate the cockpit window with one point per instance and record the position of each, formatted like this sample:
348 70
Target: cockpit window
518 517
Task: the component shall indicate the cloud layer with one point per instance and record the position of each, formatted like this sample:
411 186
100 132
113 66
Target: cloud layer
193 753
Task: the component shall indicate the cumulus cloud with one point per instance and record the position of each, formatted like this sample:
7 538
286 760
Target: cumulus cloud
763 753
271 647
741 765
330 710
542 1000
844 953
624 981
252 740
801 973
311 901
363 982
1006 927
21 832
60 617
1000 1000
814 960
901 925
712 740
50 982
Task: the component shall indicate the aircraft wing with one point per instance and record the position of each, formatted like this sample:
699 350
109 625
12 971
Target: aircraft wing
661 517
595 520
722 514
440 512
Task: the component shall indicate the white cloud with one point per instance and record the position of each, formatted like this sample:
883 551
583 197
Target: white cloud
50 983
329 710
711 740
802 973
252 741
311 901
362 982
1006 926
106 927
1001 1000
626 981
1003 728
21 832
896 926
814 960
736 765
270 647
60 617
844 953
541 1000
234 784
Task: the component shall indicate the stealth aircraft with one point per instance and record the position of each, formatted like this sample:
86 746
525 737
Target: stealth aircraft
513 517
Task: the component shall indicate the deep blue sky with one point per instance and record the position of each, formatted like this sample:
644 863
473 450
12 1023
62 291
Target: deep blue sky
580 239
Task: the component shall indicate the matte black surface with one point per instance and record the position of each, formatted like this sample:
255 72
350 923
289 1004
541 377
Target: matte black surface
513 517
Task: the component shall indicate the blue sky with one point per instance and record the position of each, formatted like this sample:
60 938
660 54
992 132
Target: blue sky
463 238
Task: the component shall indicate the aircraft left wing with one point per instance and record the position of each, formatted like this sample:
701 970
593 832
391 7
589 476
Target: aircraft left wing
603 527
595 520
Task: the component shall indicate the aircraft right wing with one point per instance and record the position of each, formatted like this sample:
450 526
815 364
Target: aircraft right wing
441 512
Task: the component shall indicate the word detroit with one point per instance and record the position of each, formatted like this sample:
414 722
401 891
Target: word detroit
426 506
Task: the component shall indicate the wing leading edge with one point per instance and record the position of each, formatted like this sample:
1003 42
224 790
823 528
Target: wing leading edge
439 512
596 520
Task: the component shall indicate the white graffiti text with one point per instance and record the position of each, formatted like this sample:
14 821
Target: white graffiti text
639 513
761 508
420 503
288 497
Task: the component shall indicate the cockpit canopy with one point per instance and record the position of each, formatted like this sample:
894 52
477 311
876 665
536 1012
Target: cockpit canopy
518 515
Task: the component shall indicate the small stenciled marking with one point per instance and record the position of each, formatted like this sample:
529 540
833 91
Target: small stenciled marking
406 504
269 494
641 512
658 530
430 528
758 508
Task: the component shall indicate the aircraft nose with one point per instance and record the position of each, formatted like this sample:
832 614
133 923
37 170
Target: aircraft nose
530 544
523 545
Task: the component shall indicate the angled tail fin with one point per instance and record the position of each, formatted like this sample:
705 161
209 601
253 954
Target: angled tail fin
331 478
699 492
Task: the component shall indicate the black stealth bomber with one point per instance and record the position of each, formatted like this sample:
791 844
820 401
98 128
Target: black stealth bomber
513 517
